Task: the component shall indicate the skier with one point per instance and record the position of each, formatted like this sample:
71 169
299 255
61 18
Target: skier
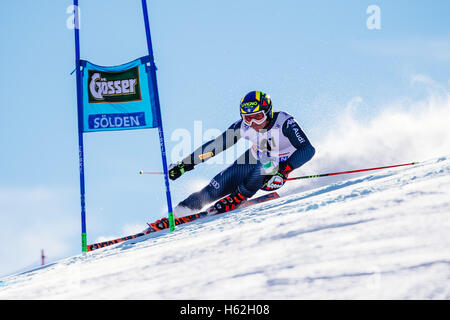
279 147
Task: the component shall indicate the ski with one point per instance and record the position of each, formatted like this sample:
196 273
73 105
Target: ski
155 227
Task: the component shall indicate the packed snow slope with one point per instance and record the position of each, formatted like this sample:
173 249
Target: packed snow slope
380 236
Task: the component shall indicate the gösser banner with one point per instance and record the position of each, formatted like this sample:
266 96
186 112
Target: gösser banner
117 98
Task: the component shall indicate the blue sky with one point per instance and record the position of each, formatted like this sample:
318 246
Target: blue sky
312 57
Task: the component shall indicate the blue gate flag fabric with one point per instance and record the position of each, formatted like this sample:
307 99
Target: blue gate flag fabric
119 97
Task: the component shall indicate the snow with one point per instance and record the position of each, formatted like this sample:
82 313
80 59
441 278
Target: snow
380 236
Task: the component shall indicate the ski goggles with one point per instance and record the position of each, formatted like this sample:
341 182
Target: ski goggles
257 117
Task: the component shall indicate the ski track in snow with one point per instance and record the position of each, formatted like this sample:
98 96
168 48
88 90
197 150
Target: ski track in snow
380 236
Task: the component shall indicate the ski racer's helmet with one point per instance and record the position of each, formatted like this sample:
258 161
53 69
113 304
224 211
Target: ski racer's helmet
256 107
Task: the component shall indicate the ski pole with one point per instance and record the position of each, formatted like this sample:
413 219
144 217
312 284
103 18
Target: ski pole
347 172
143 172
326 174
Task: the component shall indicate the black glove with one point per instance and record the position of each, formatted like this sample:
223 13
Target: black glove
176 170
